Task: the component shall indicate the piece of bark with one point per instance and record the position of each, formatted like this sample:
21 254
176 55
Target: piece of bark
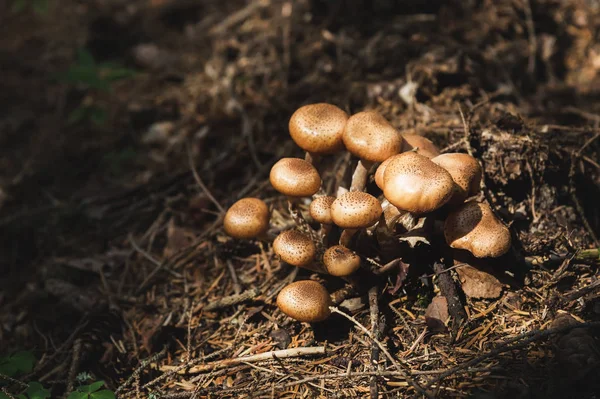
477 283
437 314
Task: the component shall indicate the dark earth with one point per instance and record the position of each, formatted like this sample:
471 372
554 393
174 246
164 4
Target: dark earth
115 113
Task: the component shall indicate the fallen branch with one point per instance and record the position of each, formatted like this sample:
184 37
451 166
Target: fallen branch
233 299
278 354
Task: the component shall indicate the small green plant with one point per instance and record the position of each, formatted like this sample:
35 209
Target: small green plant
87 74
40 7
92 391
20 363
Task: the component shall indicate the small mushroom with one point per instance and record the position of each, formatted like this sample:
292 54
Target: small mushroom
355 210
475 228
466 173
320 211
295 177
370 137
340 261
247 218
415 184
318 128
295 248
305 300
423 145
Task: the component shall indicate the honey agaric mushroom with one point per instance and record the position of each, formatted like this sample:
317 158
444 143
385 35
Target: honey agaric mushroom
355 210
466 173
415 184
247 218
340 261
381 170
320 211
318 128
295 177
370 137
423 145
305 300
295 248
475 228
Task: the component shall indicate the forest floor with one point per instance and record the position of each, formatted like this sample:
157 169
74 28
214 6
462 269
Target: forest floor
119 120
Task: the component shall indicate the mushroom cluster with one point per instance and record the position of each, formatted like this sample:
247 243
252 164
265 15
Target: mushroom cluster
412 180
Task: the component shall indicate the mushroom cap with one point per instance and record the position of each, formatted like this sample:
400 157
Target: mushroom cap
381 170
295 248
424 145
305 300
465 171
340 261
320 209
295 177
413 183
318 128
369 136
475 228
247 218
355 210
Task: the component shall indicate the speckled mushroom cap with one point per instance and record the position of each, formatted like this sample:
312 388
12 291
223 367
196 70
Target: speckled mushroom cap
381 170
413 183
424 145
295 248
369 136
340 261
295 177
305 300
318 128
320 209
247 218
465 171
475 228
355 210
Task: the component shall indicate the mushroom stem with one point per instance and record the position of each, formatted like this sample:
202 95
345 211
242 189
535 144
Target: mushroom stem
360 175
346 237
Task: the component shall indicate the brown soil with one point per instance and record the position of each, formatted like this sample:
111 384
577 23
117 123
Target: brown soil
109 243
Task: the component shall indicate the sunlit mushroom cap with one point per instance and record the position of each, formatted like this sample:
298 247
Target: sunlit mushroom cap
295 248
247 218
424 146
305 300
295 177
318 128
381 170
465 171
340 261
369 136
413 183
320 209
475 228
355 210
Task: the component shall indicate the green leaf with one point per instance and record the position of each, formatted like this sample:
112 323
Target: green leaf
114 74
3 396
78 395
93 387
77 115
19 362
85 58
37 391
98 116
40 7
17 7
104 394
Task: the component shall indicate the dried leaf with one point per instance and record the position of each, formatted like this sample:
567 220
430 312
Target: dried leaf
400 277
437 314
477 283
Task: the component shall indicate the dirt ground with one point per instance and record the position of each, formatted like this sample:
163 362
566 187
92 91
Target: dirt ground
114 114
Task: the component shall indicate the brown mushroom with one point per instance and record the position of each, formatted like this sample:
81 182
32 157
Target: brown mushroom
475 228
305 300
355 210
318 128
340 261
320 211
423 145
415 184
295 248
247 218
466 173
295 177
370 137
